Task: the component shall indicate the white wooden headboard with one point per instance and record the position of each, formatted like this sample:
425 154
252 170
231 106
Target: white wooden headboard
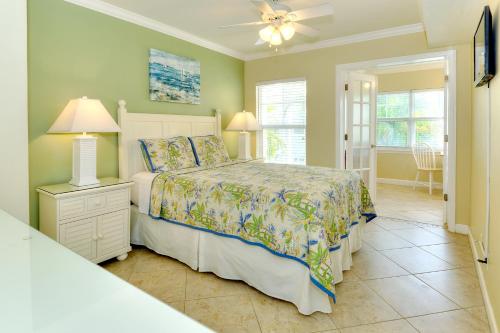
136 126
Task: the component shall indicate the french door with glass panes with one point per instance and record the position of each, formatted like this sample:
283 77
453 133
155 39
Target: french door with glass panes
360 117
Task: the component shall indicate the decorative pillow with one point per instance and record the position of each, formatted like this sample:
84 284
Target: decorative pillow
162 155
209 150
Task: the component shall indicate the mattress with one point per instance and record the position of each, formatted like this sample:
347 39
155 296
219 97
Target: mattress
141 190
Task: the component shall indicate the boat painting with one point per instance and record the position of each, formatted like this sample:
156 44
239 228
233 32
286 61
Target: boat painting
173 78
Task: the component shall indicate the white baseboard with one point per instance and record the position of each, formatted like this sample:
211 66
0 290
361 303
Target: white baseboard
405 182
462 229
482 283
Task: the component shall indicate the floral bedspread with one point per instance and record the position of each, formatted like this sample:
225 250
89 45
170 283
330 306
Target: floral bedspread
297 212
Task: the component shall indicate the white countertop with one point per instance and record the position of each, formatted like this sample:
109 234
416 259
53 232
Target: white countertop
45 287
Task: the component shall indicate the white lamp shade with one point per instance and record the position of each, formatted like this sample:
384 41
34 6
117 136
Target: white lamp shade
243 121
84 115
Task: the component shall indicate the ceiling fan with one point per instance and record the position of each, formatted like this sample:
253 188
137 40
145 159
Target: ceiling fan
282 22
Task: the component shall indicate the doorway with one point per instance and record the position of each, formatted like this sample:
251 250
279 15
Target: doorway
417 116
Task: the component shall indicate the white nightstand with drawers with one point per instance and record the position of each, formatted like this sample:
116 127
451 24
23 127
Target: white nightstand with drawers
93 221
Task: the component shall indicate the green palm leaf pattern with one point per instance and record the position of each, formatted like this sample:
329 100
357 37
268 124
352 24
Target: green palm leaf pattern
294 211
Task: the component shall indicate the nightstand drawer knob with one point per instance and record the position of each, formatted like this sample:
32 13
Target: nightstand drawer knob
100 236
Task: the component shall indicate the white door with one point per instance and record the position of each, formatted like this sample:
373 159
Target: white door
80 237
112 233
445 150
360 152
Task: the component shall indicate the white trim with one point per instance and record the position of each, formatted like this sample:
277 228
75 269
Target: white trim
143 21
393 150
449 56
409 183
462 229
482 283
126 15
286 80
357 38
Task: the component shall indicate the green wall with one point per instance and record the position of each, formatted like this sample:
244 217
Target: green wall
74 52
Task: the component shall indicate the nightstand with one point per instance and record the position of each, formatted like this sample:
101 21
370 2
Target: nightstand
93 221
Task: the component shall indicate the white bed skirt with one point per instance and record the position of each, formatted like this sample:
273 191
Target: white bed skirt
232 259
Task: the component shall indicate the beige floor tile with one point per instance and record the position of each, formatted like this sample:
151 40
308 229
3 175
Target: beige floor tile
416 260
419 236
451 237
205 285
149 261
405 203
358 305
385 240
396 326
279 316
410 297
370 264
122 269
459 321
349 276
224 314
168 286
479 312
453 253
179 306
372 227
456 284
392 224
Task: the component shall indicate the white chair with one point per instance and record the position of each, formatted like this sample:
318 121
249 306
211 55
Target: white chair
426 161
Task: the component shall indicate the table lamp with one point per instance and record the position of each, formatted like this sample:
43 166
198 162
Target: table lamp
244 122
84 115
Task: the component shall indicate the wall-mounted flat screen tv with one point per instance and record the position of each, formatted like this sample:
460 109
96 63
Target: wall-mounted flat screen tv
484 57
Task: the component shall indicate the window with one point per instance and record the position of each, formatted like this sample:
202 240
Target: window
281 111
409 117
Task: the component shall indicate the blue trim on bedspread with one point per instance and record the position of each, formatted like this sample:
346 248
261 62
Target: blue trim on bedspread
313 280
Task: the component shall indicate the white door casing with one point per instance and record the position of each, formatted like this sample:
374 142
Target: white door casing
360 139
449 56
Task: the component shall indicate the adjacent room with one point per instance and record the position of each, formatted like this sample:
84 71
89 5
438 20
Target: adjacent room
249 166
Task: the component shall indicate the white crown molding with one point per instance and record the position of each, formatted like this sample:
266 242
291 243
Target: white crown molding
126 15
129 16
358 38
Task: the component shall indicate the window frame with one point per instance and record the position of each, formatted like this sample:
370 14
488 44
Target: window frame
411 120
260 133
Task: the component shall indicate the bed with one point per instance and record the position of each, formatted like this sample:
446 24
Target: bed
289 231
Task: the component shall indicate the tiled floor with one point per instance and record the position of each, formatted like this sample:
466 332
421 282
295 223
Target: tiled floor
405 203
408 277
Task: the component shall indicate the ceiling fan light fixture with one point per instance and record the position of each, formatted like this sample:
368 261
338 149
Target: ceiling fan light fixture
287 30
266 33
276 38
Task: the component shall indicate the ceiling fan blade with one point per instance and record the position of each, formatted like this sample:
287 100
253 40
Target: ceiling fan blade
265 6
260 41
308 13
305 30
248 24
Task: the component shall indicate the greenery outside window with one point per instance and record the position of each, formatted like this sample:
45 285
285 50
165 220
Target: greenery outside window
281 112
408 117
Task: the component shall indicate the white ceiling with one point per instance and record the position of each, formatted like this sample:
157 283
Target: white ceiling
450 22
202 19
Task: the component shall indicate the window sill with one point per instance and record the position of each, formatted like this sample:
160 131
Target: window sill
394 150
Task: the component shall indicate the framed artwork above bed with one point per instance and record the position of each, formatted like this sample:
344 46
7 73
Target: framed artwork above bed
173 78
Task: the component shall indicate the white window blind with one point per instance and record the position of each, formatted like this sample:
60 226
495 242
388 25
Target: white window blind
409 117
281 111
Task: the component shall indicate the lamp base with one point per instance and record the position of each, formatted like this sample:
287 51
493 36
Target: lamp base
244 146
84 161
